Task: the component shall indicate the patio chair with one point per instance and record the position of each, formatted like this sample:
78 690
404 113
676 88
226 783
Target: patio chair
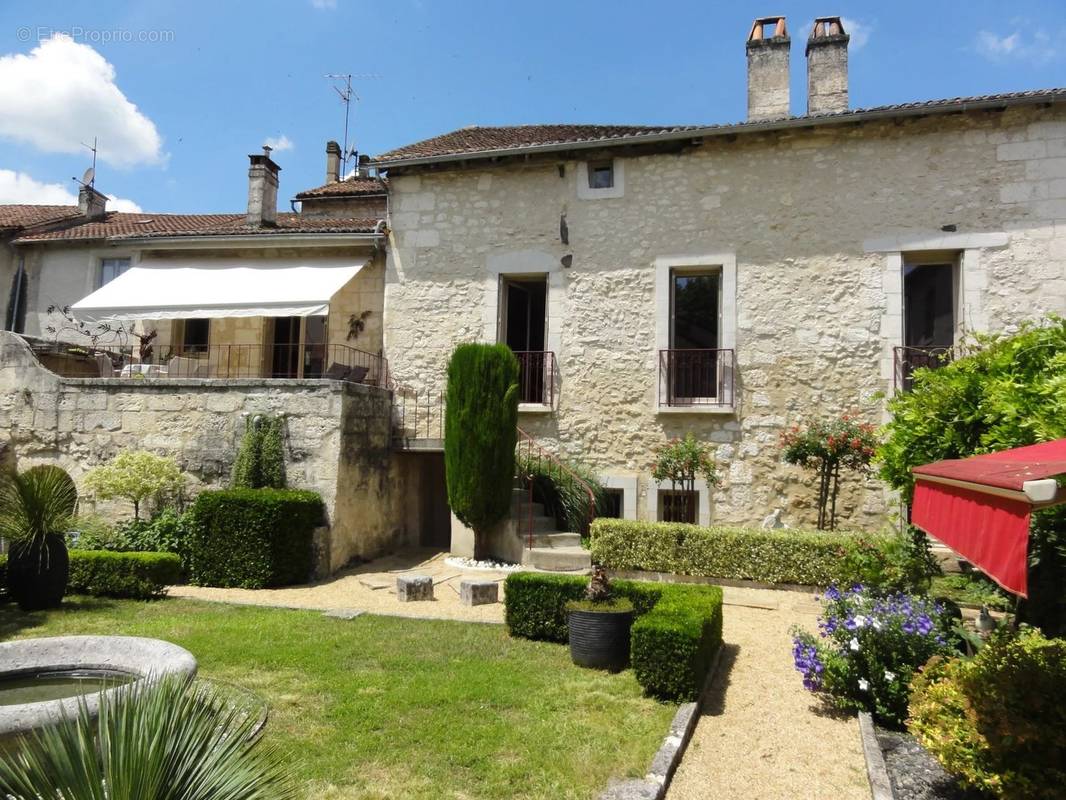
358 374
337 372
183 367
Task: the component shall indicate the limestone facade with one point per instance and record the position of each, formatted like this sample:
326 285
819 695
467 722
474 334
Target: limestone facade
818 224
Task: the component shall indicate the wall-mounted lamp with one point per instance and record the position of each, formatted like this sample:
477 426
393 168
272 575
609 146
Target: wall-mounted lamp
567 260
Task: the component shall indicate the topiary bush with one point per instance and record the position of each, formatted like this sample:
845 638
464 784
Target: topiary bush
813 558
998 721
252 538
260 461
677 631
105 573
480 431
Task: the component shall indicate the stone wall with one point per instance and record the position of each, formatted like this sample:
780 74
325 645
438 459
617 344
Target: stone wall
337 437
806 215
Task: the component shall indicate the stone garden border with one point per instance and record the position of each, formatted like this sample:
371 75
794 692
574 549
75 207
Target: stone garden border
654 784
876 771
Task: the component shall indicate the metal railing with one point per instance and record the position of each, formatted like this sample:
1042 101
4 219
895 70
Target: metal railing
907 359
417 416
220 361
536 377
533 461
696 377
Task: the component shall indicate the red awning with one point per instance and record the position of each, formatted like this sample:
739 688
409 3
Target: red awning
980 506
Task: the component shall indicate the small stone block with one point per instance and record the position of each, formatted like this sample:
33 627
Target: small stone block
479 593
410 588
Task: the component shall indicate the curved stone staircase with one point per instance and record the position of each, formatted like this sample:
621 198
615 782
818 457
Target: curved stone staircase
552 549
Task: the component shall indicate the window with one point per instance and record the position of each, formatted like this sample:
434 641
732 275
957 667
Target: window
612 503
601 175
694 354
678 506
111 268
194 338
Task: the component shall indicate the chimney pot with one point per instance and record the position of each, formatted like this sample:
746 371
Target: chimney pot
827 66
768 57
333 162
91 203
262 190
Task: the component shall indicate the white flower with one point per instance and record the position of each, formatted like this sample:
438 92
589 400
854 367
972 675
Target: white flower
854 644
876 623
864 685
860 620
890 676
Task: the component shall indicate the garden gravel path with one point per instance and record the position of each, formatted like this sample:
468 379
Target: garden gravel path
761 735
371 588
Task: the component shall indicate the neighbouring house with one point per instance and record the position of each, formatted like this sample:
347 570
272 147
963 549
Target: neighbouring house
728 280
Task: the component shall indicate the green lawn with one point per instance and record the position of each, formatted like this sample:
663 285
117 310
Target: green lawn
381 707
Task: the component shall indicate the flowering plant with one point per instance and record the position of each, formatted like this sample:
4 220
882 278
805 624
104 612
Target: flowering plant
868 647
826 446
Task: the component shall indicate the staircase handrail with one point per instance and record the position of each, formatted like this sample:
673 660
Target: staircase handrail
530 447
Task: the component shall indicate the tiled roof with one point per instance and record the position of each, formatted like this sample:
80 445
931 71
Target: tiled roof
118 225
349 187
482 142
14 217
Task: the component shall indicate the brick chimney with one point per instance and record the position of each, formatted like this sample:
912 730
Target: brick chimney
827 66
333 162
262 191
91 203
768 52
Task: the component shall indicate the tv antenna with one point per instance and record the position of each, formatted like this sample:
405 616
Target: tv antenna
343 87
88 177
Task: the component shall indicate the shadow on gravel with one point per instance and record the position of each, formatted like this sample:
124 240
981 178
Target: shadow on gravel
714 702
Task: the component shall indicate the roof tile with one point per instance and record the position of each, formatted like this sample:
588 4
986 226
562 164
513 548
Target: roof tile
14 217
349 187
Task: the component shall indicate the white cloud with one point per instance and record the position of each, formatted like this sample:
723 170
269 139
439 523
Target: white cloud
1038 47
62 95
18 187
324 4
279 144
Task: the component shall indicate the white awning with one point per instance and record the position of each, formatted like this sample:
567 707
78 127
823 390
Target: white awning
213 288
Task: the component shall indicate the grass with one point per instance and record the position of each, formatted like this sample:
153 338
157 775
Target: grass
972 589
382 707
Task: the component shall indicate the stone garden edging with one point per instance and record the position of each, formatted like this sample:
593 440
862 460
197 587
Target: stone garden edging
653 786
671 577
876 771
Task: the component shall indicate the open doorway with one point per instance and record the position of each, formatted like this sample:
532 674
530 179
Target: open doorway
298 347
929 317
523 329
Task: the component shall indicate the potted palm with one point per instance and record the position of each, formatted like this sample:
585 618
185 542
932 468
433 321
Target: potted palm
36 507
599 626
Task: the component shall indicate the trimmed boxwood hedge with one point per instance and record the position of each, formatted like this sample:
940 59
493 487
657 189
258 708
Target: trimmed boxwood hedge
109 574
677 631
252 538
813 558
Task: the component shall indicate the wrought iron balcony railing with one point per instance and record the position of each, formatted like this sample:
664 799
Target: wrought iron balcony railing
697 378
536 377
907 359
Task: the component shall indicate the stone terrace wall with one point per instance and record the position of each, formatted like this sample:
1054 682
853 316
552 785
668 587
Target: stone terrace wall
337 443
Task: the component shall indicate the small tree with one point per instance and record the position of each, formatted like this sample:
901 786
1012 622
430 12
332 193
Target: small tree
260 462
680 461
480 431
137 476
827 446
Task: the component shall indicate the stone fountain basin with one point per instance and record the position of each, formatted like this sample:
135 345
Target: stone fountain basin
129 655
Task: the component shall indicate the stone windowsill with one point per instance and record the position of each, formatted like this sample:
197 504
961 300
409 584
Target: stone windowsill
722 410
534 408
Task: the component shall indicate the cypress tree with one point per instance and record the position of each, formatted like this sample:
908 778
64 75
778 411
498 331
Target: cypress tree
480 431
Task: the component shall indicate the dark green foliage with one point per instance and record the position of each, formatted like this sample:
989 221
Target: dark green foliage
562 496
135 575
252 538
1008 392
676 634
480 431
260 462
813 558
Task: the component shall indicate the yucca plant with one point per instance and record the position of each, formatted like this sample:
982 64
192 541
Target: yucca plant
158 740
36 507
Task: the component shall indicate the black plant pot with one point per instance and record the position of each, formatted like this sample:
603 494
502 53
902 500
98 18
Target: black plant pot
600 639
37 575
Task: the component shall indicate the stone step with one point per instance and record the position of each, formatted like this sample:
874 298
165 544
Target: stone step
556 540
557 559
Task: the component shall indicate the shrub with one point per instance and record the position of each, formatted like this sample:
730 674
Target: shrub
93 532
1008 391
137 476
252 538
480 430
813 558
973 589
998 721
110 574
869 648
166 532
826 446
260 462
562 496
680 461
899 562
676 634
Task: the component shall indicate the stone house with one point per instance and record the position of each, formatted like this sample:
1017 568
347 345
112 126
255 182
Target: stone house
727 280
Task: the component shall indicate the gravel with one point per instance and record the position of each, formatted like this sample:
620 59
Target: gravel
470 564
915 774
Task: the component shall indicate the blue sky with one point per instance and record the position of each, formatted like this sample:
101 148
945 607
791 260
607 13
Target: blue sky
180 91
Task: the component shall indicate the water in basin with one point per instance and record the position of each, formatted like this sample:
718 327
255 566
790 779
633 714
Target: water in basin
57 685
